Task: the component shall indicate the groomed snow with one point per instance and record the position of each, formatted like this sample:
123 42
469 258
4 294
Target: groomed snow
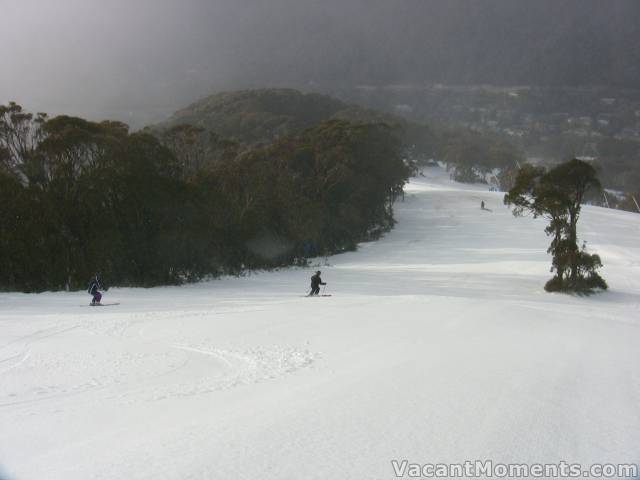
438 345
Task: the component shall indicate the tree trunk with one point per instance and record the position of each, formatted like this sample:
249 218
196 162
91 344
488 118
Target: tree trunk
573 238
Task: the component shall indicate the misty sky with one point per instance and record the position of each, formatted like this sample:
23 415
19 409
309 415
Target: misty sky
139 60
97 57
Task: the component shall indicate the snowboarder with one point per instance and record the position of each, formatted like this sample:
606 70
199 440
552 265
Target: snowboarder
94 289
316 281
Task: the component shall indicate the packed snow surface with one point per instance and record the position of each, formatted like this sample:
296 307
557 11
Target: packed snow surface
438 345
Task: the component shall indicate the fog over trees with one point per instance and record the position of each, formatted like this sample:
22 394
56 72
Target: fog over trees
138 61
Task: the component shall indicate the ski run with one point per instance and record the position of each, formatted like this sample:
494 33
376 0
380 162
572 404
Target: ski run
437 345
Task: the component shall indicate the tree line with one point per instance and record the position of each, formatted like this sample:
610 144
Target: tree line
145 209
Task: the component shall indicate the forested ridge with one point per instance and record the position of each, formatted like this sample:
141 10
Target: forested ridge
79 197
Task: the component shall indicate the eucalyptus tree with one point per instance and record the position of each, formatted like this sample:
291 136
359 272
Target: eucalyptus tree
557 195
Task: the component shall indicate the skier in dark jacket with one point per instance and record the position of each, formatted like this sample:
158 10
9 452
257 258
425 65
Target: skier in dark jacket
94 289
316 281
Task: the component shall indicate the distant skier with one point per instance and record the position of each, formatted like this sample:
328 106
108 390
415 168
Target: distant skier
316 281
482 205
94 289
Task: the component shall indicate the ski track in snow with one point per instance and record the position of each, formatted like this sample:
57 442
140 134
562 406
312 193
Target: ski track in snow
438 345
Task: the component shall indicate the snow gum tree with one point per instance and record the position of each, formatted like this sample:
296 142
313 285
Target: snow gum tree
557 195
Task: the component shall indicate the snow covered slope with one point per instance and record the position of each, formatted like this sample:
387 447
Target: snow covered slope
439 345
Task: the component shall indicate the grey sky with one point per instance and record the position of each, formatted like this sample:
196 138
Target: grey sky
97 57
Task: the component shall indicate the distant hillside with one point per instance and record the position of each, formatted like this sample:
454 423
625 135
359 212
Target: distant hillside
255 116
261 116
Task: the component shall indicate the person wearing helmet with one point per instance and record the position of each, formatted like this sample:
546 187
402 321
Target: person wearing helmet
94 289
316 281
